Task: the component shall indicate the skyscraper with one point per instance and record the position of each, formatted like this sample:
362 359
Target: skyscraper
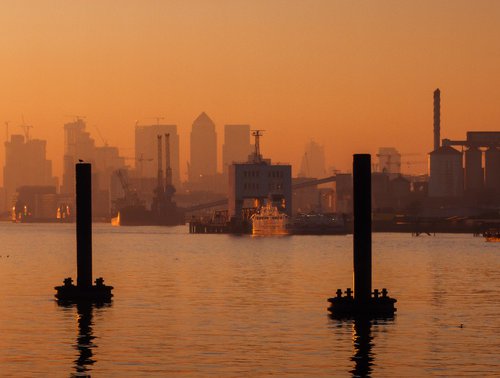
146 156
313 161
78 145
203 161
236 146
26 164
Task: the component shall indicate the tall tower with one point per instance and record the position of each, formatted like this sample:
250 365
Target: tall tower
313 161
203 156
236 146
437 119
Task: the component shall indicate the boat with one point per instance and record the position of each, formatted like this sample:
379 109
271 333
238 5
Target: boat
492 235
318 224
268 220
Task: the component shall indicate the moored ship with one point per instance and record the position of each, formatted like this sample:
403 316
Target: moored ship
131 211
268 220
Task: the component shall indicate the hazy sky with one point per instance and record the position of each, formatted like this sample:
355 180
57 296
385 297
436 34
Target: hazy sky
352 75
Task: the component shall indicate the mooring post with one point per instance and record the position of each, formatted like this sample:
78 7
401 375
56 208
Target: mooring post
84 224
362 304
84 289
362 244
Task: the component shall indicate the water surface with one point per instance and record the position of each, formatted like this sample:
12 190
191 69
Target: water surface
232 306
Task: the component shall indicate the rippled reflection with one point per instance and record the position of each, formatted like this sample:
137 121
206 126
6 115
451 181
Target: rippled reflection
85 337
362 342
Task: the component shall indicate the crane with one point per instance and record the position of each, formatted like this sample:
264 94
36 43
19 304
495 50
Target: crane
141 159
26 128
100 136
157 119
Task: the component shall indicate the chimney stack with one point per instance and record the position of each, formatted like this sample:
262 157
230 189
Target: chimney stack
437 119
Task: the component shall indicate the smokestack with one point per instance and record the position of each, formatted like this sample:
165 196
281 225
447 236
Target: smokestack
160 170
168 169
437 119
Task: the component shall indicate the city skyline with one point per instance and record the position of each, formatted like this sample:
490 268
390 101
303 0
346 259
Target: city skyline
329 71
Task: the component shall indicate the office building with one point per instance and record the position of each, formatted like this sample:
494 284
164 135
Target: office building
26 164
203 146
236 146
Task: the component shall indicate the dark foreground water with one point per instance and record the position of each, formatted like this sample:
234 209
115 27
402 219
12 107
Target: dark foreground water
229 306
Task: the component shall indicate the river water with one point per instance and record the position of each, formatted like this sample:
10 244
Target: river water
241 306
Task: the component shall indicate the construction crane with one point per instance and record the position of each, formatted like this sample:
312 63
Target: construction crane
413 163
130 196
389 163
156 118
140 159
104 141
76 118
26 128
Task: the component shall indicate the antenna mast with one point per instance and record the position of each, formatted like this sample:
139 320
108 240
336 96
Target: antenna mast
257 134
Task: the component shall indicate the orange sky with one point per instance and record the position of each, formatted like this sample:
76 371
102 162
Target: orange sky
352 75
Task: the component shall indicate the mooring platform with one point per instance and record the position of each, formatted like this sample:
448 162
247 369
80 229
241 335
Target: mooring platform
73 293
379 305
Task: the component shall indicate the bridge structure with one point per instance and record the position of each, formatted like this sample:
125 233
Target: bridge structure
224 202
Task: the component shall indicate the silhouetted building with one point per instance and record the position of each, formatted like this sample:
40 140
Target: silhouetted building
36 203
26 164
313 161
381 197
258 180
474 172
389 161
492 169
400 191
79 145
146 157
236 146
343 193
479 179
446 173
312 199
203 160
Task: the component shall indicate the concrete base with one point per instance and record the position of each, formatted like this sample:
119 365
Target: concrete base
95 293
348 307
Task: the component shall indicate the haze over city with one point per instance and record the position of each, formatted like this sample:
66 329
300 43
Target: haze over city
351 76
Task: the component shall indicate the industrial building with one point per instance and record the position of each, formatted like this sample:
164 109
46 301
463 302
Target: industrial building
389 161
446 173
455 173
258 180
480 146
